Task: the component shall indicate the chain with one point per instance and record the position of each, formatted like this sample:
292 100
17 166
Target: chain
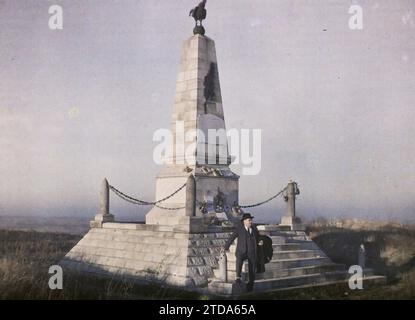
165 208
142 202
156 203
125 197
263 202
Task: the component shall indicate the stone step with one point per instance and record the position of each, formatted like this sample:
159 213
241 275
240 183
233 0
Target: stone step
276 247
291 283
281 239
311 280
292 254
368 280
297 262
287 254
278 239
214 253
262 285
286 233
278 273
284 282
285 247
278 244
286 263
270 228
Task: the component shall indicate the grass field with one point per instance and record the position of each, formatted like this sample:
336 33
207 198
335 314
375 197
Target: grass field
25 257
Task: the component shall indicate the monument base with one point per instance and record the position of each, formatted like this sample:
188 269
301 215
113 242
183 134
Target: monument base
172 256
100 219
176 221
211 191
294 223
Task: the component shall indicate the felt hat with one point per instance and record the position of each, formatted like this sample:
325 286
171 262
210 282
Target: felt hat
246 216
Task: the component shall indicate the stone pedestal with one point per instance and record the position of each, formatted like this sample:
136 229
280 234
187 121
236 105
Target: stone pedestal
170 255
294 223
103 215
290 219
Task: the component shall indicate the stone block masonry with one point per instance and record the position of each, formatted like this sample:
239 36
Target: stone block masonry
148 253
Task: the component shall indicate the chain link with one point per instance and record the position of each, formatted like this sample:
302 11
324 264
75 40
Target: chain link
165 208
156 203
146 203
263 202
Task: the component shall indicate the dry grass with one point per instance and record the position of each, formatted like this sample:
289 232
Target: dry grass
25 258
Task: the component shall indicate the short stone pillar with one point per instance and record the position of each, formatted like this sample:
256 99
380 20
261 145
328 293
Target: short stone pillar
104 206
362 257
191 196
290 219
223 267
291 193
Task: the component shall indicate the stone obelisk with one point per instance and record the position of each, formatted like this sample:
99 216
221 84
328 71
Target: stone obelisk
197 111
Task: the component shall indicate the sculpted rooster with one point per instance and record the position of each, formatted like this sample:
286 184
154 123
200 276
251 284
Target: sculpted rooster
199 14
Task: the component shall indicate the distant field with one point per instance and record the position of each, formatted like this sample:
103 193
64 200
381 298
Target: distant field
25 257
70 225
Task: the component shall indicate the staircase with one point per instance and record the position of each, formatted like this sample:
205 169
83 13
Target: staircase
297 261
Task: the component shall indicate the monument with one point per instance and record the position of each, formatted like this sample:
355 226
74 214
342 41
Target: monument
197 108
196 203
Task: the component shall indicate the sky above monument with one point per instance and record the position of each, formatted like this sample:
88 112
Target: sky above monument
335 105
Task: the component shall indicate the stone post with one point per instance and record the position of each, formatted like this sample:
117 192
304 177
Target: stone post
191 196
362 257
223 267
290 219
104 206
190 222
290 196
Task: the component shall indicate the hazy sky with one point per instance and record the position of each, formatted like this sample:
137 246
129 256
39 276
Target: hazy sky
336 106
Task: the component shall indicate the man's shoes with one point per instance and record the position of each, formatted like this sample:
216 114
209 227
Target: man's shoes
249 287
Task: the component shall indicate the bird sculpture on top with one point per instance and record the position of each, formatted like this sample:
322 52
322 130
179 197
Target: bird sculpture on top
199 13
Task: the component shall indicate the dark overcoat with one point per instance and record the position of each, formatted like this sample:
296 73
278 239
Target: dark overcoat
247 243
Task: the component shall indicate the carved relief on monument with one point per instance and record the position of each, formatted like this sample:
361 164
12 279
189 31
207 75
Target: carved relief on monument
214 208
212 93
219 201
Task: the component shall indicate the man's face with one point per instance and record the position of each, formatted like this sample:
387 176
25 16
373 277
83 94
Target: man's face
248 223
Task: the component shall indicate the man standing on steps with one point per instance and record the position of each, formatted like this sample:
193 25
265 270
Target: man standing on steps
246 249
